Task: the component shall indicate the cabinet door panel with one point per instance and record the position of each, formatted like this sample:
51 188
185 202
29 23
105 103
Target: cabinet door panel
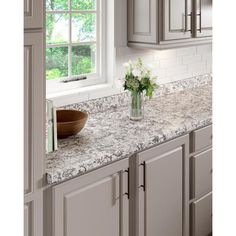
98 207
163 196
28 219
177 22
203 18
201 212
33 14
160 195
202 173
33 214
201 138
34 112
143 21
34 130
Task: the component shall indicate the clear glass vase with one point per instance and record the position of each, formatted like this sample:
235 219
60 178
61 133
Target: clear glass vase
136 109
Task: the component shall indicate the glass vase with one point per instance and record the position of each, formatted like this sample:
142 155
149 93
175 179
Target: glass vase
136 110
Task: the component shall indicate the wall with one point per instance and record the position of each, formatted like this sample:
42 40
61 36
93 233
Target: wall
169 65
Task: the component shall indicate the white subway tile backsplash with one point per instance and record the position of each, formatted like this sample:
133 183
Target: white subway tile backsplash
202 49
164 63
124 51
186 51
176 70
199 66
159 55
192 59
169 65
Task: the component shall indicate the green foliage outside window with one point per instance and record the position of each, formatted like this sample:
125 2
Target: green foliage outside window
57 33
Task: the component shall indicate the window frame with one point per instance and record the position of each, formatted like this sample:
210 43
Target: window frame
56 85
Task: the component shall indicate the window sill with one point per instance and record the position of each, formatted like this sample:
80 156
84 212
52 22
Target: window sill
83 94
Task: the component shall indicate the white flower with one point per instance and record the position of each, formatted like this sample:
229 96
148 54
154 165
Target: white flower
126 65
149 67
136 72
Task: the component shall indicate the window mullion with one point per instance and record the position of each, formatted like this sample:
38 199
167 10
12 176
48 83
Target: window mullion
70 41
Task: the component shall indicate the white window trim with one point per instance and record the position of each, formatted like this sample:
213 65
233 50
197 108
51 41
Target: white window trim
109 84
57 87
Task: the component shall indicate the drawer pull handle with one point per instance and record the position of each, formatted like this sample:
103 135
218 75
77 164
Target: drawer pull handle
143 186
127 193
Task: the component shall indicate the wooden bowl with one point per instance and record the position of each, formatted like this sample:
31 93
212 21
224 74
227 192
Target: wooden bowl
70 122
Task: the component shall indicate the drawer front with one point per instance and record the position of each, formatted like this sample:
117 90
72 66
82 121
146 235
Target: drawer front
202 174
201 214
201 138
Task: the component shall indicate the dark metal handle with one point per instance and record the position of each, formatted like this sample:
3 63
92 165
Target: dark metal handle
128 191
74 79
144 177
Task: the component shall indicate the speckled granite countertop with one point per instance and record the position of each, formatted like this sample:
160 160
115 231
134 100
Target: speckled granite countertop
110 135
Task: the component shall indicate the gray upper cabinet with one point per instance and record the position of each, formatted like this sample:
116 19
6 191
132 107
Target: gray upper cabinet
163 24
93 204
33 14
176 19
160 190
142 17
203 18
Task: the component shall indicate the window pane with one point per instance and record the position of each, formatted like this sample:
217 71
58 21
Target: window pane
83 59
84 5
56 62
57 28
83 28
56 5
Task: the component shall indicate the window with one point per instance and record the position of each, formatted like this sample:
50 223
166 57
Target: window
73 39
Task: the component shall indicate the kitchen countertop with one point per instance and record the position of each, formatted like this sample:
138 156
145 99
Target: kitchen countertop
110 135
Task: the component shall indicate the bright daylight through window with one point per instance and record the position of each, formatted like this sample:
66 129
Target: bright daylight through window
72 38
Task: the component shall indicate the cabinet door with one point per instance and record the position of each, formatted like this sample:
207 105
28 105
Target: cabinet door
176 19
33 14
203 18
201 214
94 204
34 123
161 192
28 219
33 214
143 21
34 111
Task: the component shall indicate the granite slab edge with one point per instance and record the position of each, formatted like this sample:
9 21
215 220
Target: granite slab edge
75 170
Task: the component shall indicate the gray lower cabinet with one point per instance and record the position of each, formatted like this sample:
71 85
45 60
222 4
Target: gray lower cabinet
28 219
201 182
33 214
202 173
164 191
160 190
93 204
201 212
163 24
